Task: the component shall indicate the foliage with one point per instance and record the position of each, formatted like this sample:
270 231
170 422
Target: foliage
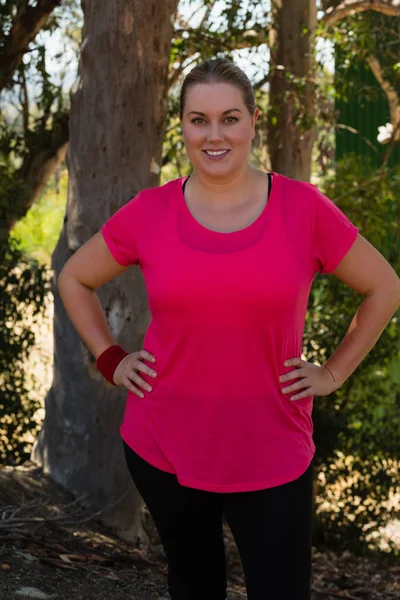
175 161
357 429
37 232
33 110
214 29
34 106
358 37
24 285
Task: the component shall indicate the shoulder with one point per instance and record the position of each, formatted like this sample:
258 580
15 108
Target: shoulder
299 199
149 199
302 190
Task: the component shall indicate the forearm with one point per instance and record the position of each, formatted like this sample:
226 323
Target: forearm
86 314
371 318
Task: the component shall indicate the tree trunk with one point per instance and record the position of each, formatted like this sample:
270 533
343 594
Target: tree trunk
118 112
290 125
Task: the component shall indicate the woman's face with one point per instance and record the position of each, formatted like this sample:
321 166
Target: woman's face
216 120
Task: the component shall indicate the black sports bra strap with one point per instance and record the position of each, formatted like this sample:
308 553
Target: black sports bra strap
269 181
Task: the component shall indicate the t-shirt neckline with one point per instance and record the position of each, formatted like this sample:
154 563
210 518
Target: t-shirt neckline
202 239
248 232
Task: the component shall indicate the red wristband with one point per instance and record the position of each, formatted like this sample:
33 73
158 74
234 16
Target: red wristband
109 360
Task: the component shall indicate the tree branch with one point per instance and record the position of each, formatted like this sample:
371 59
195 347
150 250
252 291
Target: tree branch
178 71
28 23
261 82
207 13
391 94
352 7
24 100
243 39
41 163
47 150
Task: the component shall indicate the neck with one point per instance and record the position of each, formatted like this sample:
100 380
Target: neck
232 185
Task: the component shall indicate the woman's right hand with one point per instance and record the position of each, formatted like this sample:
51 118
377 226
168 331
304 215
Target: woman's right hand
126 374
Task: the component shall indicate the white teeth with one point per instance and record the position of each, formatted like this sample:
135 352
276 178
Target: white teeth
216 152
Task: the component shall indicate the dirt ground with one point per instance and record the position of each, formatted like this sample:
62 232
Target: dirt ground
52 549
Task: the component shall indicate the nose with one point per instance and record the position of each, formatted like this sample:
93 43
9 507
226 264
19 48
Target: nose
214 133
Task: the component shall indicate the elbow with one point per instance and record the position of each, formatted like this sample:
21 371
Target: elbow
389 288
396 291
62 285
390 293
61 278
66 279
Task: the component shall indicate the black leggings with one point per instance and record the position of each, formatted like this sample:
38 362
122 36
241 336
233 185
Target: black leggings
271 528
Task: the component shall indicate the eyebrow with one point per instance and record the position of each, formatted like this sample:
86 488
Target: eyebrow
224 113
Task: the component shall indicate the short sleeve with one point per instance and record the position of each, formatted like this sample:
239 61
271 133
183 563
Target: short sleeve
120 232
333 233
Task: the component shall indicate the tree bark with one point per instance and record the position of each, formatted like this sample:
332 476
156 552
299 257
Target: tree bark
118 113
290 120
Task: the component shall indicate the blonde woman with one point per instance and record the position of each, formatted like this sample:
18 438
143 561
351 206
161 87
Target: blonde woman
218 417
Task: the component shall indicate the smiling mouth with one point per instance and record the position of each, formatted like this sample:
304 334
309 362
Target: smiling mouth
216 152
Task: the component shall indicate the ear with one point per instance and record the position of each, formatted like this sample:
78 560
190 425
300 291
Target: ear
255 116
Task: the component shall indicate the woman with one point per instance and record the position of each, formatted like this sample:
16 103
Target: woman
218 413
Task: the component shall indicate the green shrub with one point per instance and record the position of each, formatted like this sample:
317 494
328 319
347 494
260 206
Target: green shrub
38 231
24 286
357 429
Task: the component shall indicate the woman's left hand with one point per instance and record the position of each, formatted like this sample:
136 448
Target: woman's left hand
317 380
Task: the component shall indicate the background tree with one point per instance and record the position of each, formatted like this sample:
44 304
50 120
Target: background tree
296 99
21 22
34 111
33 134
119 103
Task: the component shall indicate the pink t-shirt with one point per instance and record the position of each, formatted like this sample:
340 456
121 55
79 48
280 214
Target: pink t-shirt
227 310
